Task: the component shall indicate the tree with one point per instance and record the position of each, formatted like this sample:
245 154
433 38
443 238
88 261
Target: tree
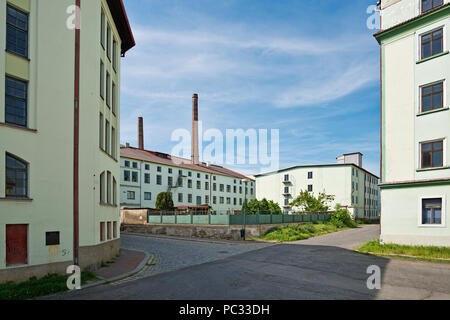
262 207
306 202
274 207
164 201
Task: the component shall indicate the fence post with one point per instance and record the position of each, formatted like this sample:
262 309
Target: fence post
209 217
160 216
192 218
271 221
175 216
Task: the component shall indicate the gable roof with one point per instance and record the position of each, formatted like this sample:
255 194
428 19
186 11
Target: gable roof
122 24
169 160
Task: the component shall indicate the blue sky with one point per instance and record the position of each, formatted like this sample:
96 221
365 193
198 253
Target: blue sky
308 68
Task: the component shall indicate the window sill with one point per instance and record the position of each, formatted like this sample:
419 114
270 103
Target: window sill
432 226
433 57
15 126
17 55
24 199
431 111
432 169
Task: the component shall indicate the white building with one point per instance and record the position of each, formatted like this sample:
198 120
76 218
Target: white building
145 174
415 125
351 185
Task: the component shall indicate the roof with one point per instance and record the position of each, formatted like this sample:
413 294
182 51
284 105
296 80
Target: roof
122 24
381 33
318 166
169 160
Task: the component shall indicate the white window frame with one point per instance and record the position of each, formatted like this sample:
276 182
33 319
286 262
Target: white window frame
443 213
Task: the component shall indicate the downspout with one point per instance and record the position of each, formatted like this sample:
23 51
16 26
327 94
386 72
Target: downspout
381 122
76 137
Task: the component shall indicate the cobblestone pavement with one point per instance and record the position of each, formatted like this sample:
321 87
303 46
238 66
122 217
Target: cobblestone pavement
172 254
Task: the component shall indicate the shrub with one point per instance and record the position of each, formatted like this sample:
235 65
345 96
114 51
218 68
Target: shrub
341 218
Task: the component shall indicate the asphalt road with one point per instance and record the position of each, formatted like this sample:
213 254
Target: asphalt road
318 268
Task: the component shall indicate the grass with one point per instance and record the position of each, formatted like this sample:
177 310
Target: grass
33 288
300 231
421 252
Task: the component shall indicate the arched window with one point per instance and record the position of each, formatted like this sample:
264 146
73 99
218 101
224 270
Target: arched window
16 177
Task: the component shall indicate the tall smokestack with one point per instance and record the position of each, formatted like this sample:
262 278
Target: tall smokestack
141 133
194 153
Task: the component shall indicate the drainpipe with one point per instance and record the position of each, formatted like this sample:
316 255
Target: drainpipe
76 137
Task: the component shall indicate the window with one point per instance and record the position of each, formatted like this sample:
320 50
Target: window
214 200
432 43
214 178
147 167
159 180
432 154
114 54
16 177
180 172
114 192
206 185
108 42
108 93
190 198
221 188
214 186
206 176
127 163
428 5
221 200
286 177
101 142
240 201
134 176
228 200
115 229
16 102
206 199
189 174
198 175
190 184
433 97
310 175
234 201
310 188
180 197
286 190
169 170
108 232
228 188
113 97
199 200
170 181
147 196
158 169
126 175
234 189
199 185
135 165
102 231
432 211
102 79
108 188
102 187
113 142
147 178
102 29
286 202
107 133
17 31
131 195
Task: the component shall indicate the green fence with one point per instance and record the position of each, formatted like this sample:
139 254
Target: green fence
171 218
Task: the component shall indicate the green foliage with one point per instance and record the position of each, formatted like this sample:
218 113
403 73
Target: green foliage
164 201
262 207
341 218
299 232
50 284
417 251
307 202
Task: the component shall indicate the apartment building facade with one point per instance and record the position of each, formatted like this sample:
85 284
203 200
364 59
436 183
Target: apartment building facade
415 72
59 133
352 186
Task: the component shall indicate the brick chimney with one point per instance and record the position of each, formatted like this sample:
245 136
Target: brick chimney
141 133
195 159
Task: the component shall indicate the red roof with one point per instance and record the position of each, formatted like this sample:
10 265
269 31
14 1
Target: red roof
122 24
168 160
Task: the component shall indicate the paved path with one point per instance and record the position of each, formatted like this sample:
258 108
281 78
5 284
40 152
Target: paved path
319 268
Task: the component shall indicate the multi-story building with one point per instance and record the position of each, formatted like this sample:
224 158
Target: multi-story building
352 186
146 173
59 133
415 73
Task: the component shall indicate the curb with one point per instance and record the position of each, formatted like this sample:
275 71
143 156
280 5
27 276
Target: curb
403 256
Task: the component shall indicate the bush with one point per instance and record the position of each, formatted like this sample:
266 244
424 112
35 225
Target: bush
341 218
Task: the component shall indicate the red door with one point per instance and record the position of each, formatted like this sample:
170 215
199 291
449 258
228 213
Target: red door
16 244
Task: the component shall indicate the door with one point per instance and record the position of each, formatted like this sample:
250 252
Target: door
16 244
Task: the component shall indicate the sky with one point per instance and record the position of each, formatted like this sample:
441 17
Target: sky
308 68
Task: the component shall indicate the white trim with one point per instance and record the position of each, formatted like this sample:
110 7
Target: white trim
443 212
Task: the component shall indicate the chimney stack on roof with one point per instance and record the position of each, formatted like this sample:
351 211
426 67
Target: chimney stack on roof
195 159
141 133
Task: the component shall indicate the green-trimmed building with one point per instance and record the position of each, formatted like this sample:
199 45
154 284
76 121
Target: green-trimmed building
59 134
415 121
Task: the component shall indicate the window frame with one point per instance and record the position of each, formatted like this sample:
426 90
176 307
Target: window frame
421 145
422 11
432 94
26 180
17 98
443 211
17 28
431 41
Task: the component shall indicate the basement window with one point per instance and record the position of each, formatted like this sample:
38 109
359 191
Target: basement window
432 211
52 238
